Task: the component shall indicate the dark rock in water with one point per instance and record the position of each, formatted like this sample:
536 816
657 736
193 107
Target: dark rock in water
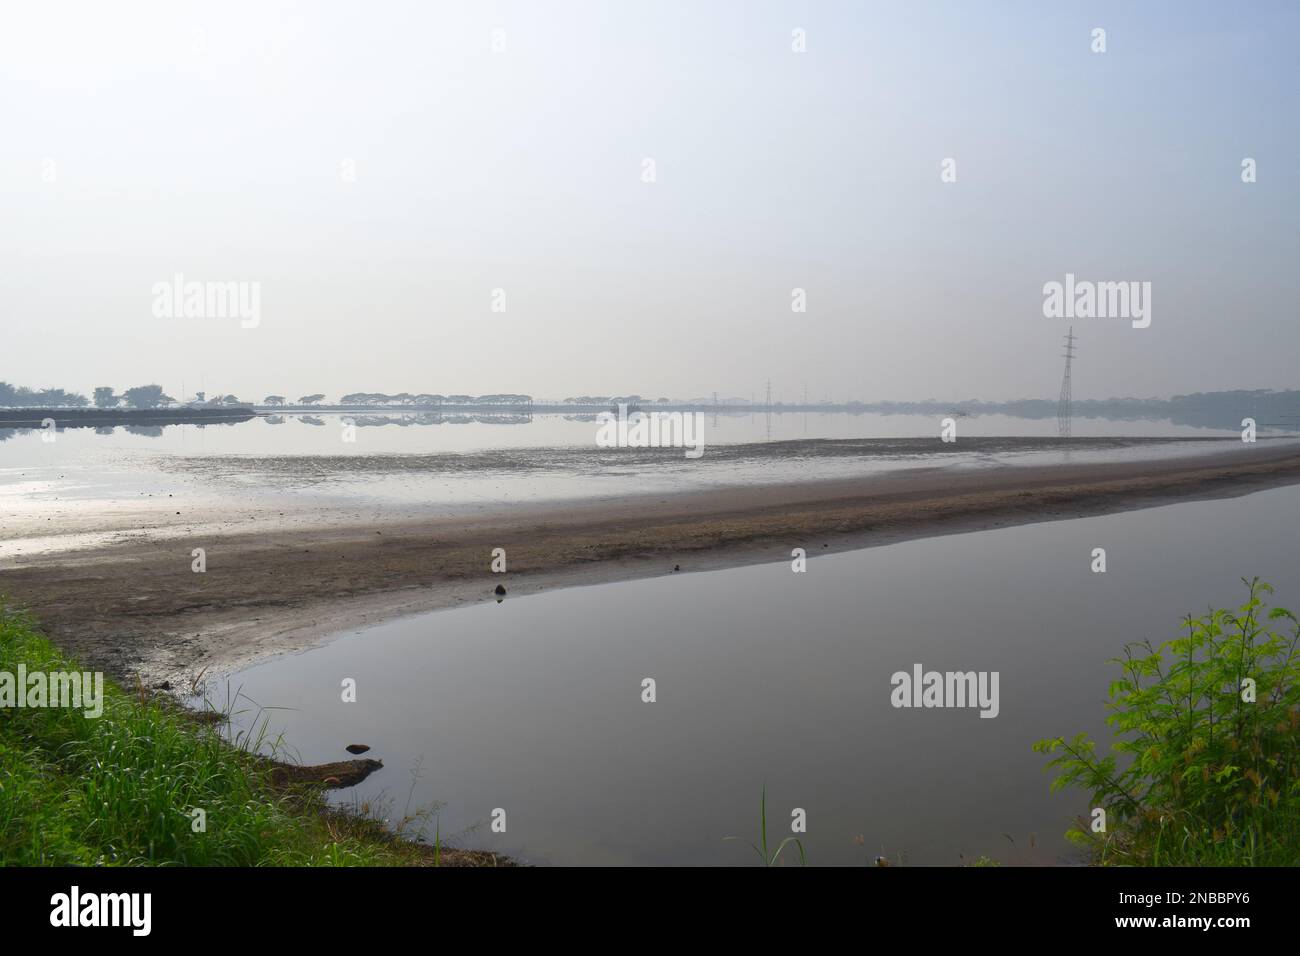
500 589
357 748
343 773
677 567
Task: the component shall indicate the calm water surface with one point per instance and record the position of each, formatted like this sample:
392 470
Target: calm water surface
297 462
770 678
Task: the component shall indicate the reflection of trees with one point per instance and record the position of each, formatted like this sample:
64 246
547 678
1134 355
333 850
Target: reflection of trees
505 399
311 419
274 419
145 431
429 418
436 418
503 419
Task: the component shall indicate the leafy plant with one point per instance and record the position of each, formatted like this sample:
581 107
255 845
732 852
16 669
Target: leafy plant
1208 726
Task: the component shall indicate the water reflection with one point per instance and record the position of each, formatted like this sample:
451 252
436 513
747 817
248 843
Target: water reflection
769 678
727 425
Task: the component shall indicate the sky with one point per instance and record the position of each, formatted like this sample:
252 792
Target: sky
380 170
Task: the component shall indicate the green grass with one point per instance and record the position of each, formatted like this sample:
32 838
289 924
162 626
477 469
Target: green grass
771 857
1207 730
119 789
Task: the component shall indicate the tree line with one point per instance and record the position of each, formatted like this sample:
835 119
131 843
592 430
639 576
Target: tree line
141 396
423 399
153 396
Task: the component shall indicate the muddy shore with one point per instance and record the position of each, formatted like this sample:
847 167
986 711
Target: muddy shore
138 607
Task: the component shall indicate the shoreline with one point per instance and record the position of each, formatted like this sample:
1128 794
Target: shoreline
137 607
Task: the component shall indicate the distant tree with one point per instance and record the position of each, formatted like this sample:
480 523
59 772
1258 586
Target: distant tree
231 400
273 400
58 398
24 397
311 399
104 397
146 396
661 401
71 399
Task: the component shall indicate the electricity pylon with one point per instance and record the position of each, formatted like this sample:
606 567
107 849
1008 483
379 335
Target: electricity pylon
1064 408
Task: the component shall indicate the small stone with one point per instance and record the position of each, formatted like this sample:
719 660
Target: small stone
357 748
500 589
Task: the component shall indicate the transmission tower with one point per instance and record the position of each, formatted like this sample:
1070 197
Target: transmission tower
767 401
1064 410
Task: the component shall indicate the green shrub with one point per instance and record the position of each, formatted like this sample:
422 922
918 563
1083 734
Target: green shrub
1207 727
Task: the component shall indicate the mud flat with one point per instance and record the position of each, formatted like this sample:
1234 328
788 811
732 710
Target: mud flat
137 605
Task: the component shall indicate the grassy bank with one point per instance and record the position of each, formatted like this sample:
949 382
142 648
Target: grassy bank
1205 766
122 788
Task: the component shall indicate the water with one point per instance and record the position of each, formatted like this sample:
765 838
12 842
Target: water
397 433
187 479
770 678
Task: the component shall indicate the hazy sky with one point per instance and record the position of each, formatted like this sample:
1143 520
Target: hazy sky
141 140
